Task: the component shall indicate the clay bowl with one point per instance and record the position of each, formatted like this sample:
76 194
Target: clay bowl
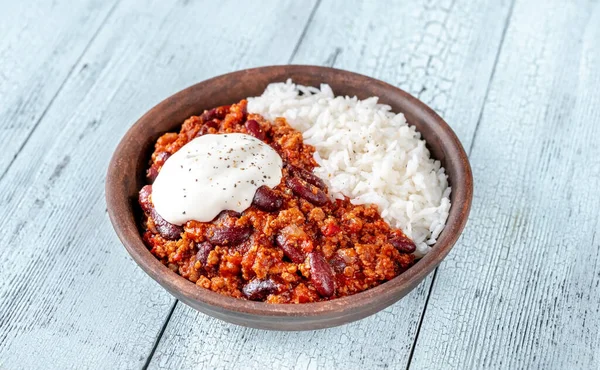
126 176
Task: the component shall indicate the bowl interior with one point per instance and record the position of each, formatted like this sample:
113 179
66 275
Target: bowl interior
126 176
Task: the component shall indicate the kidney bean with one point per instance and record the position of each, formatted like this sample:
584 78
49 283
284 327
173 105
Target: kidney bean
209 114
212 124
307 191
267 200
162 157
152 173
206 126
215 113
204 249
338 264
259 289
307 176
275 145
321 274
229 235
164 228
289 249
402 243
224 215
254 129
144 199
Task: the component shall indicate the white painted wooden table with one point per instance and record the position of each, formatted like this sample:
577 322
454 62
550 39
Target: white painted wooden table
519 81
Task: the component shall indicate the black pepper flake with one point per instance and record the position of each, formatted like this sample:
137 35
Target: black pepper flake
183 213
224 188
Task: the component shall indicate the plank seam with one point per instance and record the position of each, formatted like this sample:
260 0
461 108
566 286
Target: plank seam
301 38
164 326
168 319
60 88
487 91
159 337
474 137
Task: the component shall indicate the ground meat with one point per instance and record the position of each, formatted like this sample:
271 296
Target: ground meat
293 245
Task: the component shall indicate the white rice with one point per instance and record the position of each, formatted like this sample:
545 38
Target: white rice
368 154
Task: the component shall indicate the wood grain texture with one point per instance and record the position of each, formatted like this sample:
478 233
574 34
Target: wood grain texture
39 45
442 52
70 297
522 291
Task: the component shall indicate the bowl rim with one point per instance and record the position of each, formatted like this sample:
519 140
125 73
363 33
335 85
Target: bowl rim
388 291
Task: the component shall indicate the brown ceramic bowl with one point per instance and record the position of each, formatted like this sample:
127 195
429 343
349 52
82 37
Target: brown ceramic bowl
126 177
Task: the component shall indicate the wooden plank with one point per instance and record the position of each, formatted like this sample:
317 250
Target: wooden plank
69 294
39 45
443 52
521 289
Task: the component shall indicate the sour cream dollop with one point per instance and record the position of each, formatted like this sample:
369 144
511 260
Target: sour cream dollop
213 173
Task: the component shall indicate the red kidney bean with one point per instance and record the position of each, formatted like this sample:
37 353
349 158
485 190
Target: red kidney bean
254 129
218 113
267 200
259 289
307 176
162 157
289 239
209 114
204 249
229 235
402 243
224 215
211 124
206 126
152 173
144 199
244 111
275 145
307 191
164 228
289 249
203 131
321 274
338 264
